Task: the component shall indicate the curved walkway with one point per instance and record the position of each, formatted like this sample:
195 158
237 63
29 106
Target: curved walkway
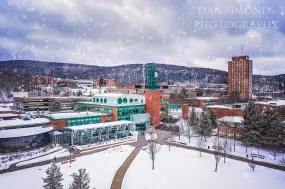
119 176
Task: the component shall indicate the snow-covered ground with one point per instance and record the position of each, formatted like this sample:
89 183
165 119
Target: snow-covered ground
60 153
7 160
240 150
101 167
184 169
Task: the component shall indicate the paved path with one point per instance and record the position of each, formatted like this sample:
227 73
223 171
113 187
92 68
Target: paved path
119 176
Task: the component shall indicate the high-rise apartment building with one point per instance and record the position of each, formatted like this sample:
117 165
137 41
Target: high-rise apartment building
240 76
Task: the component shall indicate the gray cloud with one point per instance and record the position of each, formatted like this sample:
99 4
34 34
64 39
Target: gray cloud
115 32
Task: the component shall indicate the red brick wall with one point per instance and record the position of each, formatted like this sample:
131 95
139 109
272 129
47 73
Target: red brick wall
57 124
222 112
185 111
262 107
152 98
115 114
104 118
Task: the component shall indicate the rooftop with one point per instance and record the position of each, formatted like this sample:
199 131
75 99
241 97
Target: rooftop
8 115
73 115
279 102
13 133
206 98
21 122
232 119
5 109
98 125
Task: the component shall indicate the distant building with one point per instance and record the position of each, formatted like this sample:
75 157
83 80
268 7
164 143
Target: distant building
24 134
228 109
240 76
230 126
104 83
277 105
201 102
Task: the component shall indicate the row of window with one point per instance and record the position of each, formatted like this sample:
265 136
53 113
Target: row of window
83 121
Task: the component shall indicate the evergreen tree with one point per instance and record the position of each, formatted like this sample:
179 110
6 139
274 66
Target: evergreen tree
274 132
80 180
203 126
192 119
54 178
213 118
252 126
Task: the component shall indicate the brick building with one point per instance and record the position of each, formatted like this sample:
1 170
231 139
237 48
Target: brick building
277 105
240 76
104 83
228 110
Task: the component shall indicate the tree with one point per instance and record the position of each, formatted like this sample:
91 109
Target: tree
252 165
273 132
55 107
189 130
234 97
80 180
282 161
217 154
201 144
203 126
252 126
169 139
213 118
226 146
152 150
54 178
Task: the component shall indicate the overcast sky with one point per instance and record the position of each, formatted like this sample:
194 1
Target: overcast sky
116 32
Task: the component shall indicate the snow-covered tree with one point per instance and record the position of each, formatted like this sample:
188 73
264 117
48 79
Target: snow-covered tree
189 130
226 146
252 126
203 126
282 161
213 118
54 178
80 180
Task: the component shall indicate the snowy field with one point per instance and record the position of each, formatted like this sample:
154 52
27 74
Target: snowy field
240 150
184 169
101 167
7 160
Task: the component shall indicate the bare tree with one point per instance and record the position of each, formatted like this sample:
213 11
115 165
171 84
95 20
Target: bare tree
152 150
201 144
282 161
252 165
217 154
189 132
169 139
274 151
226 147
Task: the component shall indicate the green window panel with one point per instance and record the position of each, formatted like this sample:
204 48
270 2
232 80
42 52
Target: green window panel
105 100
125 100
131 100
97 100
101 100
120 101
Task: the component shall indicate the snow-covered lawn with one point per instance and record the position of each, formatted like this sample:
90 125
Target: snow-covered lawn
101 167
184 169
240 150
60 153
7 160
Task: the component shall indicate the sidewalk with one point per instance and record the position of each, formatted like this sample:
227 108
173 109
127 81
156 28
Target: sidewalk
119 176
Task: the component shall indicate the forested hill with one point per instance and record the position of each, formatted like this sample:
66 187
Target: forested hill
134 73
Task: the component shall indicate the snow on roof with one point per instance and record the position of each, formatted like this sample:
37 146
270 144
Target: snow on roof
9 115
5 109
21 132
206 98
99 125
278 102
21 122
218 106
74 115
233 119
109 95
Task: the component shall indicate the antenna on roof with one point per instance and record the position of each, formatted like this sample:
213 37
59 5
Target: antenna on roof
241 50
